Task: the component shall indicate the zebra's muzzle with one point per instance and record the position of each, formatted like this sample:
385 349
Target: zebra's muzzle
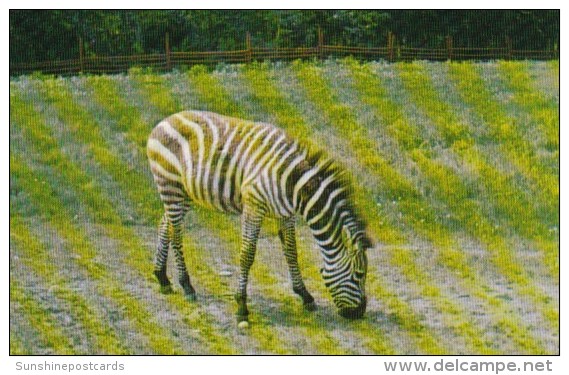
354 312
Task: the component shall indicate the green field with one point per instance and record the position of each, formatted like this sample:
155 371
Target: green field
455 167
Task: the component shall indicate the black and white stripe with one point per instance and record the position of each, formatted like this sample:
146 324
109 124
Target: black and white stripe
256 170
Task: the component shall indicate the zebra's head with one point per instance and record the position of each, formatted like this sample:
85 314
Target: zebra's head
345 277
325 201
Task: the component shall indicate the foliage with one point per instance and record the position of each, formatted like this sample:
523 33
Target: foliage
42 35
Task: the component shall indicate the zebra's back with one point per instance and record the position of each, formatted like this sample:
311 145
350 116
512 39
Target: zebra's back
211 159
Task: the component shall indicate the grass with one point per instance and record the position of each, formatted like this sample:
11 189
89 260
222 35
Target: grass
423 189
504 129
488 181
35 255
103 213
49 333
460 198
543 113
410 203
77 241
443 182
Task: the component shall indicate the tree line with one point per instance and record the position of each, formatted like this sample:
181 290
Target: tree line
40 35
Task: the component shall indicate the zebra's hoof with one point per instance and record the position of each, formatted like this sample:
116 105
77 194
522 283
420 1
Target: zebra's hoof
166 289
191 297
311 306
243 325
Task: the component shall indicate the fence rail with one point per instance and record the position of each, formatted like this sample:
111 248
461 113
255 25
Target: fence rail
169 60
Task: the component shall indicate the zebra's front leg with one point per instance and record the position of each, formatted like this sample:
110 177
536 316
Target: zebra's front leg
250 226
288 239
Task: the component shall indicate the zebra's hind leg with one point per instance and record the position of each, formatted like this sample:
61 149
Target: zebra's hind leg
176 213
162 256
250 227
288 239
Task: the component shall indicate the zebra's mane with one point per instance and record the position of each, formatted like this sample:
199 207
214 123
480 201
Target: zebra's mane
329 167
342 178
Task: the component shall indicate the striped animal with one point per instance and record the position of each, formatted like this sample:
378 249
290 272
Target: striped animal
256 170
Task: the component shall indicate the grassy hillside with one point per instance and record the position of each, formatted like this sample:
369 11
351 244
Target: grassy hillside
456 169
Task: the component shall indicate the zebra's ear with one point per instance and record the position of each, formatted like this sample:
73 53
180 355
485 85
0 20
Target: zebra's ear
366 242
347 238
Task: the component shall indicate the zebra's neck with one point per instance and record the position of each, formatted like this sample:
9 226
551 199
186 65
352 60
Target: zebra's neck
324 203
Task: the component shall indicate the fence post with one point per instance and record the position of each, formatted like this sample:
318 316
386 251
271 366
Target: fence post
320 43
449 47
81 55
249 48
509 53
390 46
168 57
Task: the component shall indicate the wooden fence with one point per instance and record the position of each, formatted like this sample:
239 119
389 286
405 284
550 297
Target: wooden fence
168 60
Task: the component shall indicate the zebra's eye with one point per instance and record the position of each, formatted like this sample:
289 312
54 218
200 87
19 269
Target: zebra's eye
321 270
359 274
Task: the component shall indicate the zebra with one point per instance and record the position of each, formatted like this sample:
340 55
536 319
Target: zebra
256 170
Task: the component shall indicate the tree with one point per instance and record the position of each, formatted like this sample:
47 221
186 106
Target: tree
39 35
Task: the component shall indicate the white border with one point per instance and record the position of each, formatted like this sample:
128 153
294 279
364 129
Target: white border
254 365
